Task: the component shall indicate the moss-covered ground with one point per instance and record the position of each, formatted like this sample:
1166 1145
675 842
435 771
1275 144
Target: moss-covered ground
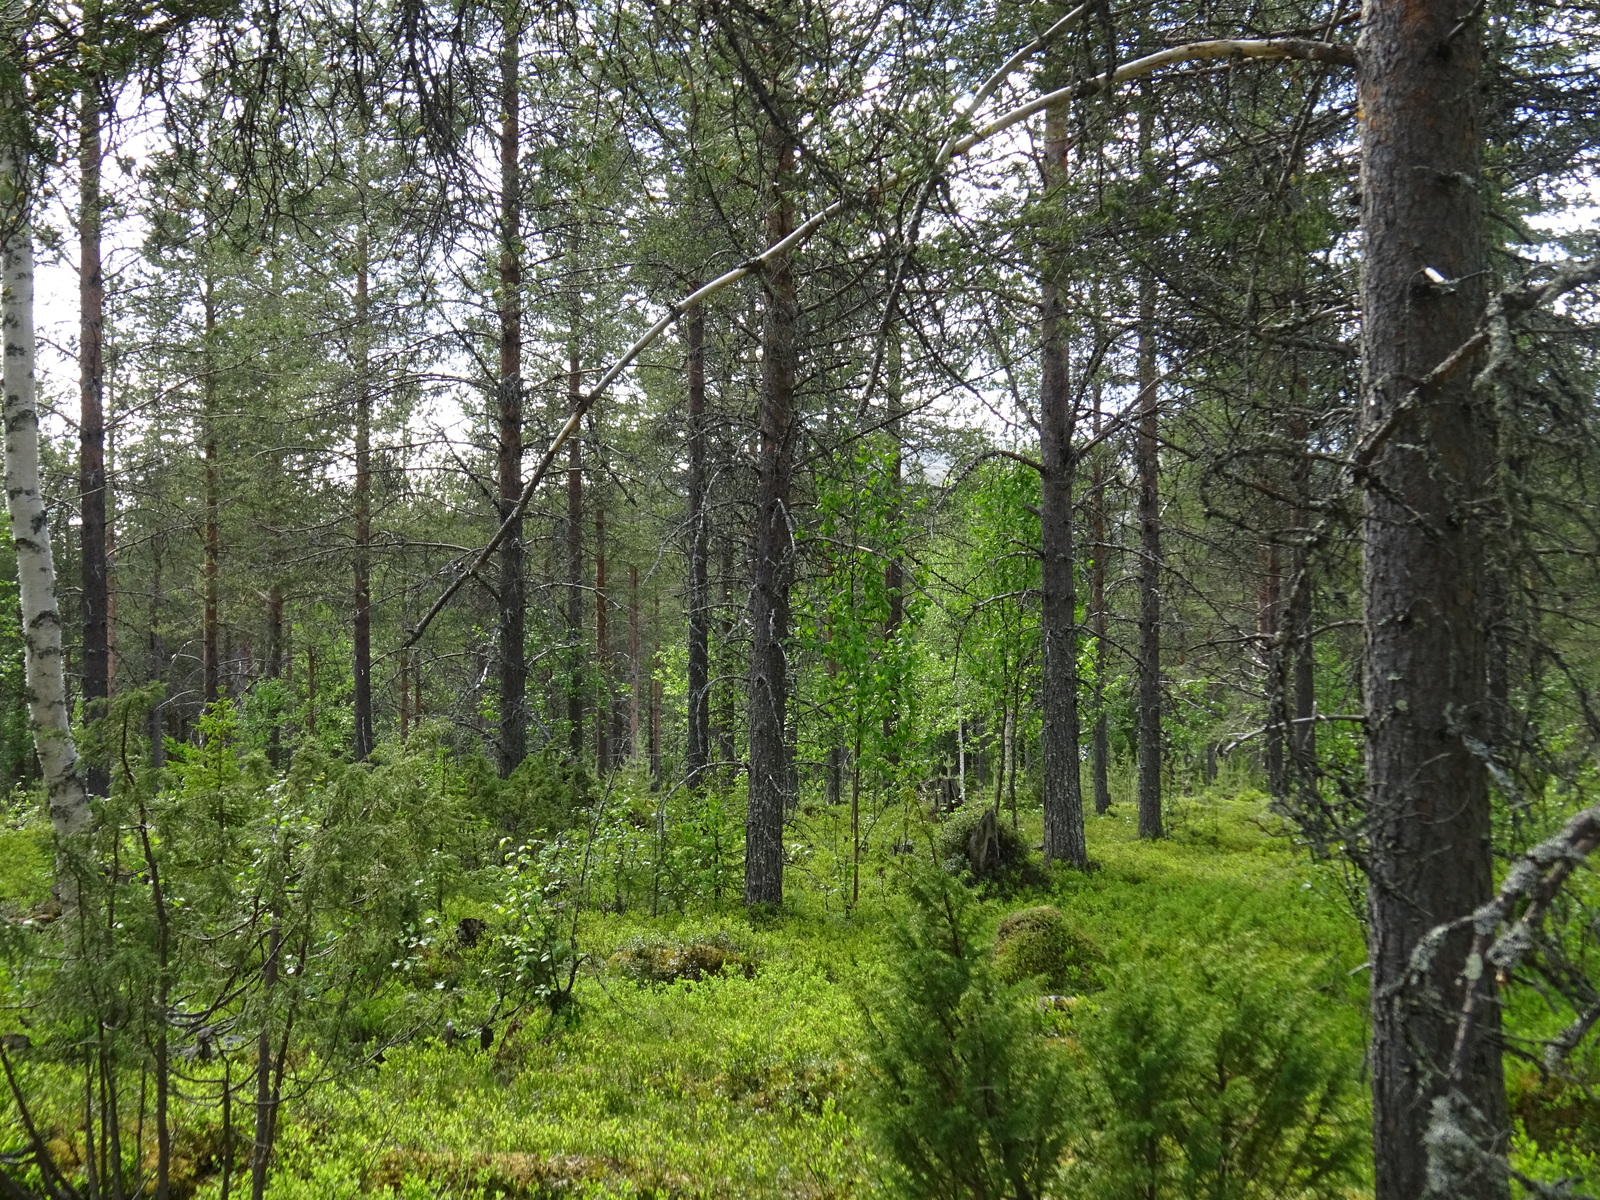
742 1086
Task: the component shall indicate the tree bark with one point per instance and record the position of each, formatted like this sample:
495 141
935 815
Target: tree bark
771 562
91 421
1099 740
602 645
1147 465
635 666
1058 617
43 662
1269 632
210 667
575 684
697 752
361 665
1428 815
513 673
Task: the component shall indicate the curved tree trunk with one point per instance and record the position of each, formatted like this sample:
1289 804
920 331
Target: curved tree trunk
1427 817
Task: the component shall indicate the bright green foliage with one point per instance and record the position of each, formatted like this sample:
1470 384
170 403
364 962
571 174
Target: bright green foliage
967 1098
1223 1081
1040 943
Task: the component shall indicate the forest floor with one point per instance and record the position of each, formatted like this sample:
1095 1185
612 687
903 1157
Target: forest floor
739 1085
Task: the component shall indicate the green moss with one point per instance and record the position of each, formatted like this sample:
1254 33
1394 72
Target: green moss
1040 943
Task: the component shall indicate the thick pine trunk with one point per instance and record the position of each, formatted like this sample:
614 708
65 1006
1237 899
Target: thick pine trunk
1428 815
91 423
361 665
698 750
513 673
772 552
43 664
1058 617
1147 465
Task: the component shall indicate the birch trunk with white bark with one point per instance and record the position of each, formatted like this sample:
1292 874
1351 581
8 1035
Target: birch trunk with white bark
48 713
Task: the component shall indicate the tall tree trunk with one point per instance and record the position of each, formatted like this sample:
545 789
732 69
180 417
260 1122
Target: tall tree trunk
894 568
210 667
1058 618
91 422
1428 810
361 666
513 673
771 561
698 750
655 700
602 645
575 683
1099 739
635 667
1148 467
43 665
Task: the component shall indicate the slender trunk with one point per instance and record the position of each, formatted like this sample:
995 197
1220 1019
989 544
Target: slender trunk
209 666
894 571
311 690
266 1109
655 704
361 665
574 567
157 643
1427 814
163 997
772 551
1269 632
1302 680
1147 465
602 645
635 667
697 752
513 673
855 820
46 681
728 708
275 664
1099 739
1058 616
91 422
